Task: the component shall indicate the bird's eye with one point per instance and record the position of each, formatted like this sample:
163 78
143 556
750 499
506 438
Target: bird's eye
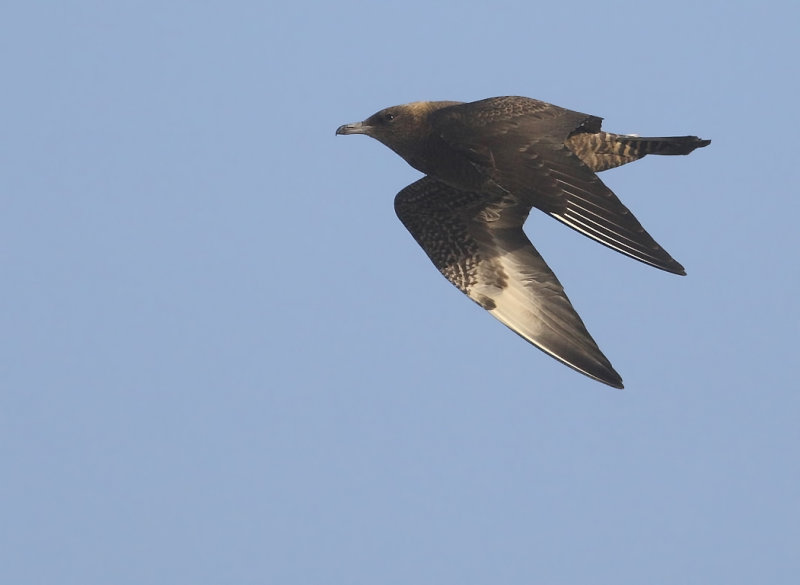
388 117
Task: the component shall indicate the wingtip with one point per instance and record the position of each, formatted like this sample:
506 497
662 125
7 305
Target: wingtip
673 267
660 259
609 377
597 368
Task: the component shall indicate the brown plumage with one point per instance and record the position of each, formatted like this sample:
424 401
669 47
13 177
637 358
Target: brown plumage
487 164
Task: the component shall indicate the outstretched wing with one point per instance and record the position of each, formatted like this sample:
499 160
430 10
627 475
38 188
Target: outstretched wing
590 207
519 144
478 244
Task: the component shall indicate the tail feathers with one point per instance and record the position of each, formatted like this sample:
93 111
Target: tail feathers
602 150
662 145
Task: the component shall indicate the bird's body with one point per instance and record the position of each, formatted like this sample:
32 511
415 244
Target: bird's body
487 163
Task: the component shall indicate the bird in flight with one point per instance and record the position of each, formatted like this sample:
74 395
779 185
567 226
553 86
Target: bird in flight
486 164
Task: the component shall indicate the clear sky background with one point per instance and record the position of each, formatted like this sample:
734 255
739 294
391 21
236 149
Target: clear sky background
224 360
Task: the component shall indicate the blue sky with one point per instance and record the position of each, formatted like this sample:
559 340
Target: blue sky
224 359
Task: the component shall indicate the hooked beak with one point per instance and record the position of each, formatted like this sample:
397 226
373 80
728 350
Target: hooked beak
355 128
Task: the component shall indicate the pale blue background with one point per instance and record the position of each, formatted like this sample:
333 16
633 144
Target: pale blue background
224 360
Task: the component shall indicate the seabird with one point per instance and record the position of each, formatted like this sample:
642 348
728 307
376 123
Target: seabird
487 163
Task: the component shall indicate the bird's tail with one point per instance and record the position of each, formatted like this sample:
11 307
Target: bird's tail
661 145
603 150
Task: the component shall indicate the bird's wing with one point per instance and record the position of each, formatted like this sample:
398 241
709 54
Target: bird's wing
493 115
478 244
523 151
587 205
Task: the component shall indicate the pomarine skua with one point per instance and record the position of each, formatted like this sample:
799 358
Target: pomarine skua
487 163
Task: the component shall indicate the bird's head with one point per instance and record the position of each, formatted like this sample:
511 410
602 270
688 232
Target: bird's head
404 129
